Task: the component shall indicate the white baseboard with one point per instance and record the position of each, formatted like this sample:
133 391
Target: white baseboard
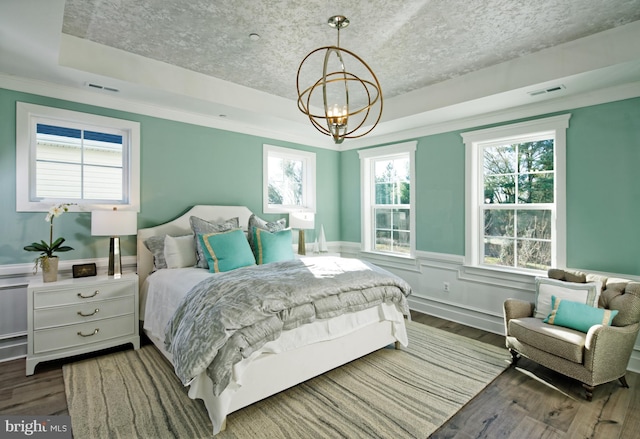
634 362
464 316
13 346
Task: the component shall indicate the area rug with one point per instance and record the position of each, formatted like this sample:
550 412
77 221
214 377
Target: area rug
387 394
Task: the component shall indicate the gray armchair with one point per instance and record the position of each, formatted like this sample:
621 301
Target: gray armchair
596 357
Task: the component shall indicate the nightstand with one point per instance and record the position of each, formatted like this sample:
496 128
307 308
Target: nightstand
76 316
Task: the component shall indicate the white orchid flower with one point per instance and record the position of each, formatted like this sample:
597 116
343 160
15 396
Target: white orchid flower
56 211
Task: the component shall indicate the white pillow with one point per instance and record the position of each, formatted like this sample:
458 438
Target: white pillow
577 292
179 251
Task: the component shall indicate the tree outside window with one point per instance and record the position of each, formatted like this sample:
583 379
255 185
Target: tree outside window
516 195
285 181
392 205
518 204
388 199
289 180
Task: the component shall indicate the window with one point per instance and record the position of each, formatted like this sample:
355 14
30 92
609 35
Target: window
516 195
388 217
66 156
289 180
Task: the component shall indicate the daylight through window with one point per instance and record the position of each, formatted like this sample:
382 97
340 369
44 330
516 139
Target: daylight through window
78 164
518 205
516 195
392 204
66 156
289 180
388 201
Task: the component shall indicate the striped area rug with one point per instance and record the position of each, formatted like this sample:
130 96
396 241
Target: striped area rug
387 394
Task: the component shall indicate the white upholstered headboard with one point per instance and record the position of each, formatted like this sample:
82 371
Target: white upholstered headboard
181 226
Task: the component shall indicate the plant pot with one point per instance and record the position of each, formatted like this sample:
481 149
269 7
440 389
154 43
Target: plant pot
50 269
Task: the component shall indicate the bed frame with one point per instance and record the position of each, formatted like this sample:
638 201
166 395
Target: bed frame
269 374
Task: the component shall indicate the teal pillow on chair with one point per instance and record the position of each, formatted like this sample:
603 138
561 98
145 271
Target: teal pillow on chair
226 251
577 315
272 247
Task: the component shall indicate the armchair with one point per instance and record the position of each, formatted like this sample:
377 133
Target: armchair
594 357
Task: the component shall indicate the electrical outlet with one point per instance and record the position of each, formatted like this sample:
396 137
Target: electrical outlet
445 287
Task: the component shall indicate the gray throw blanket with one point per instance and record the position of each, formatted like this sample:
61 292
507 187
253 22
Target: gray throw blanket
228 316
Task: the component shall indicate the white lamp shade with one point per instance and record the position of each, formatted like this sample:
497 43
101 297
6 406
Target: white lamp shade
114 222
302 220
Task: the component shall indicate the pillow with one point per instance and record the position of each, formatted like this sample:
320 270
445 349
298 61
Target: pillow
155 244
578 316
273 247
226 251
179 251
578 292
274 226
202 227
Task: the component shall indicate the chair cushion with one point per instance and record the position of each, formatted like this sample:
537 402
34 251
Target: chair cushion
562 342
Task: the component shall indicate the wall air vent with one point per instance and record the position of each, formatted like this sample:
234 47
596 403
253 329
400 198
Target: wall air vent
547 90
101 87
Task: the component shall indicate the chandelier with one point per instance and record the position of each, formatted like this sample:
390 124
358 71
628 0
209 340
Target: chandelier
343 116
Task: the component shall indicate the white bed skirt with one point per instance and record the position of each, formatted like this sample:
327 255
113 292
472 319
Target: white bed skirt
296 356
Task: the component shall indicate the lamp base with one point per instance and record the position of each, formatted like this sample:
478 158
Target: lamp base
301 244
115 262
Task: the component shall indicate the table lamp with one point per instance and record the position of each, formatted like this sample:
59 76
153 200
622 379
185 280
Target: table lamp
114 223
301 221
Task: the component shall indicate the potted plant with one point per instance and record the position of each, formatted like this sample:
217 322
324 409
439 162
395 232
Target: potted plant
46 260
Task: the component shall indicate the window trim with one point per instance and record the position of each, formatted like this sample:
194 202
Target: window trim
25 161
473 140
367 158
309 183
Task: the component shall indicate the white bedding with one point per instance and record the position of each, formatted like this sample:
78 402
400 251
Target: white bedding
162 292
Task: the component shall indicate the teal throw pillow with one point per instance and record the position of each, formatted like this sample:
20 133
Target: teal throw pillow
272 247
578 316
226 251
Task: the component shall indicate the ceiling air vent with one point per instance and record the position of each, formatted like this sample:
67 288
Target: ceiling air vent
547 90
101 87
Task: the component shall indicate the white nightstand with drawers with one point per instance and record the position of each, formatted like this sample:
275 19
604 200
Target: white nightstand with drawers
76 316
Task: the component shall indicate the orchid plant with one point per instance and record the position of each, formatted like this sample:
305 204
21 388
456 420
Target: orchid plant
47 250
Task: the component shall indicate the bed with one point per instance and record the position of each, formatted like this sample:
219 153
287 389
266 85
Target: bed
297 354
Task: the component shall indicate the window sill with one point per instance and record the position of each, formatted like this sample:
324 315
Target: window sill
390 260
388 254
502 276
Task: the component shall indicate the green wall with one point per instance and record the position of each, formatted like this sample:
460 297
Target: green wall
184 164
603 190
181 165
603 187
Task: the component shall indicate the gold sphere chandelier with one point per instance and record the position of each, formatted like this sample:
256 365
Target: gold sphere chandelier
343 118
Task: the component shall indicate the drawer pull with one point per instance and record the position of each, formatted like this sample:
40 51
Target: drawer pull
89 335
96 311
95 293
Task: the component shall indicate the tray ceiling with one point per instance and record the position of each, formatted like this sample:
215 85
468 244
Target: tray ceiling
148 49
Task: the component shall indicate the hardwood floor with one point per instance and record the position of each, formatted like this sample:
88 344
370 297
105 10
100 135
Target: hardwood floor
529 401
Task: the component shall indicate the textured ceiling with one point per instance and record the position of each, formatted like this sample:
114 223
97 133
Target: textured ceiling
408 44
442 64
